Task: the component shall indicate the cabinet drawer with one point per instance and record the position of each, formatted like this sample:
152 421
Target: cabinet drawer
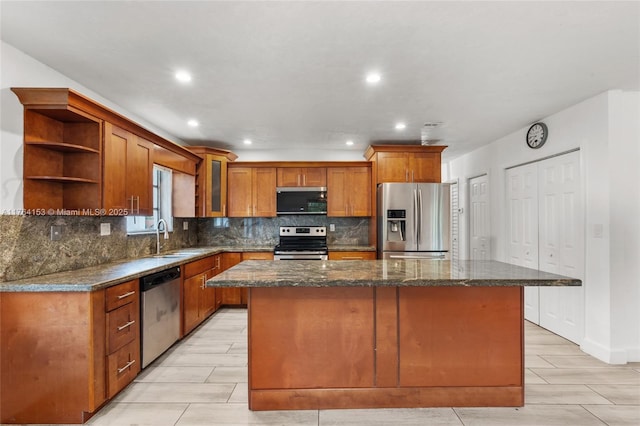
122 367
199 266
122 294
352 255
122 326
257 255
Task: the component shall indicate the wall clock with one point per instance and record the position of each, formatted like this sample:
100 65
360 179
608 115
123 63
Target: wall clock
537 135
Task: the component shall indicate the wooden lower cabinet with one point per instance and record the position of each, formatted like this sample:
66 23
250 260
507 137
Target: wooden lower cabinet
238 296
122 308
198 300
352 255
122 367
64 354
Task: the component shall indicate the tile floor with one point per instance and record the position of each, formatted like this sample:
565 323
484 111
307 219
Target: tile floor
203 381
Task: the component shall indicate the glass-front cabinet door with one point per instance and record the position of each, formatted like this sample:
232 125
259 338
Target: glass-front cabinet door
211 181
216 193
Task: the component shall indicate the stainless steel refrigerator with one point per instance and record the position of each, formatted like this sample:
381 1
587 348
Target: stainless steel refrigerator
413 220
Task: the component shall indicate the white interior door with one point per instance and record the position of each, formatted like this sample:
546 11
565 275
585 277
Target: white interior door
561 243
522 228
480 220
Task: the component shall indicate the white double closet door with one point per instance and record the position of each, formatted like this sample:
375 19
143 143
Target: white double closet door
545 222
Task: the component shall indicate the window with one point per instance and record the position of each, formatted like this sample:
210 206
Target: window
162 207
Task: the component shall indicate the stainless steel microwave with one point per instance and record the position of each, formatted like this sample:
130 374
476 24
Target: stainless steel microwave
301 200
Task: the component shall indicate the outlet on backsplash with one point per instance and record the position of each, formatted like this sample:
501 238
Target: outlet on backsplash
56 232
105 229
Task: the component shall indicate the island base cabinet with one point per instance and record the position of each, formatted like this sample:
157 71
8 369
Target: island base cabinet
385 347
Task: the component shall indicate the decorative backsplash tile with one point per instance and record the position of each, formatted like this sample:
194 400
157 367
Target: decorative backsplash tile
264 231
26 249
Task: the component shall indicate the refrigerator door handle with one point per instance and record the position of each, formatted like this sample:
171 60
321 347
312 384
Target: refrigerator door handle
416 232
419 228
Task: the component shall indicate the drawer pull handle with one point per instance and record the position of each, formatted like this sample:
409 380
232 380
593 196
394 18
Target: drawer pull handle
129 364
122 296
129 324
352 258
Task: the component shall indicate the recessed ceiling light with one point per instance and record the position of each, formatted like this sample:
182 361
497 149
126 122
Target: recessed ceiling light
193 123
401 126
247 142
183 76
349 143
373 78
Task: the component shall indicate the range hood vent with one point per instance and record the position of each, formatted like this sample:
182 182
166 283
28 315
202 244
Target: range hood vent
429 134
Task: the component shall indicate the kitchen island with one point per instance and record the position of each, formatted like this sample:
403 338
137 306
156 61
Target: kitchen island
385 333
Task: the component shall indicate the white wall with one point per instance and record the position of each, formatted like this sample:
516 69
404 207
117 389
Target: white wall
624 213
605 129
21 70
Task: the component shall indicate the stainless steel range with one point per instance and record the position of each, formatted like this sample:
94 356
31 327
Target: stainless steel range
302 243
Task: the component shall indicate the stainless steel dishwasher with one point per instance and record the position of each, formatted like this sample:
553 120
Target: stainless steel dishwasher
160 313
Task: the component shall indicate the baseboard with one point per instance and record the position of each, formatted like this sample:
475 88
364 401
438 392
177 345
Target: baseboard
608 355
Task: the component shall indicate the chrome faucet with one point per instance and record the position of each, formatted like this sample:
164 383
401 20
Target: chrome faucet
166 234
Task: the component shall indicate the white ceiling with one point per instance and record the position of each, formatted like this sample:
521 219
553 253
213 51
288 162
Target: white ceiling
290 75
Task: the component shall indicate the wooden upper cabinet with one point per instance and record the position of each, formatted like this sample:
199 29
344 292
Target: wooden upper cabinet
349 191
251 191
302 176
211 181
406 163
140 175
82 156
425 167
393 167
128 168
182 194
62 154
264 193
240 192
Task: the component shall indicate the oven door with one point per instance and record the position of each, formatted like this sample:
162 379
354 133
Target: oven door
300 255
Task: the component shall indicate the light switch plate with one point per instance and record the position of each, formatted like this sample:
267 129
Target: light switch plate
598 230
185 226
105 229
332 227
56 232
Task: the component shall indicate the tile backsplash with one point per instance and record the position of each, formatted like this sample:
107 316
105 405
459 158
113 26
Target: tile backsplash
264 231
26 249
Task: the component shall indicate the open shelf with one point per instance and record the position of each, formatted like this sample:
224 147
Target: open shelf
63 147
62 159
63 179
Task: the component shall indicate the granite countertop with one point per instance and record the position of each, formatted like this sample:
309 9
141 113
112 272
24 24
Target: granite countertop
109 274
369 273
